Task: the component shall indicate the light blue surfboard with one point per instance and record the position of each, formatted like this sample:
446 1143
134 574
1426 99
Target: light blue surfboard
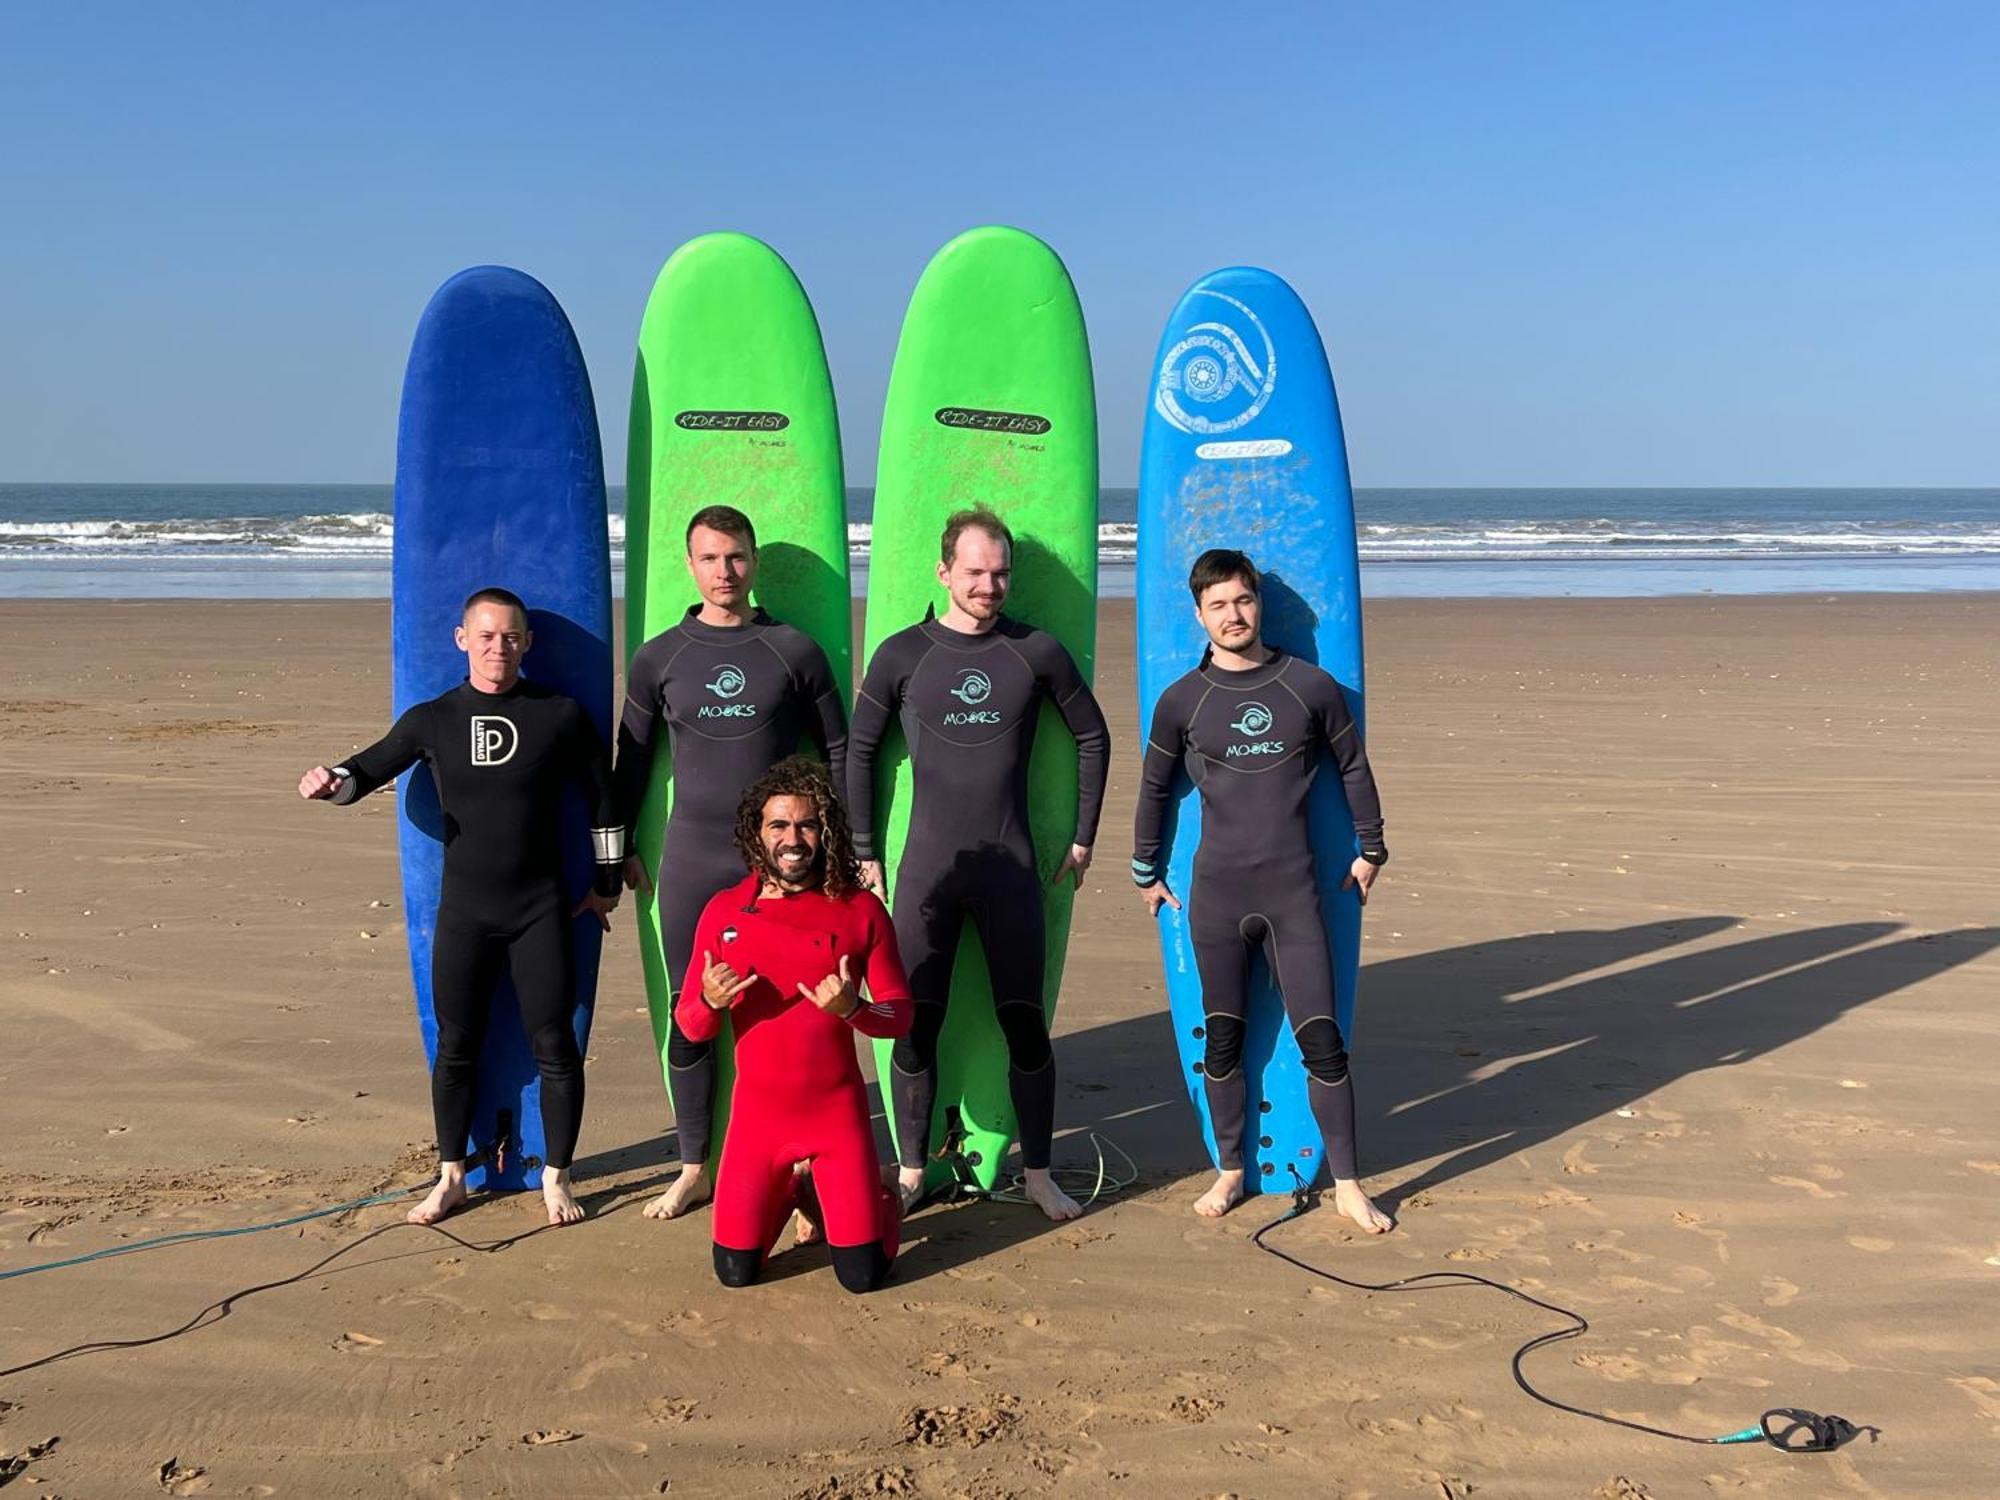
499 482
1243 448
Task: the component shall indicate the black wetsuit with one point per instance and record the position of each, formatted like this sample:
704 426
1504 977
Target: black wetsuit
735 700
1251 743
970 706
501 761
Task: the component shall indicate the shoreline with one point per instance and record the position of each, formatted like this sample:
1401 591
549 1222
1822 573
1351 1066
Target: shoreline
107 579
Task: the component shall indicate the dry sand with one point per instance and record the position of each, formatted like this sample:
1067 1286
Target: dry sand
1677 1009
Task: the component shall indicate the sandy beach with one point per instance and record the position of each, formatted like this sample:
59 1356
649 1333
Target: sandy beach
1676 1010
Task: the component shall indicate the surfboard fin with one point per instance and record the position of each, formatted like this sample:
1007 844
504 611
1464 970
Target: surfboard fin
952 1152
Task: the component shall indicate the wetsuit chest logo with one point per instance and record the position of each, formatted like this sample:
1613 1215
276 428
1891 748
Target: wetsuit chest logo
974 688
1254 721
494 740
729 683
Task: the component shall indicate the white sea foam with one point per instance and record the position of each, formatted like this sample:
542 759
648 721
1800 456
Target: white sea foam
364 537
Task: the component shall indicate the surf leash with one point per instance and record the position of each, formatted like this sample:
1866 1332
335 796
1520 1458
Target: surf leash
189 1236
494 1155
964 1185
1789 1429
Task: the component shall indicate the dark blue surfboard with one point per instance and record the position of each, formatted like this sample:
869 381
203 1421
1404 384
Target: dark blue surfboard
499 482
1243 448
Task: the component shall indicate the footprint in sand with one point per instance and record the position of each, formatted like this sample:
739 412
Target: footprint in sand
548 1437
943 1362
1873 1244
1470 1252
670 1411
1794 1346
45 1232
1984 1393
547 1312
1778 1291
1560 1197
1623 1367
1437 1345
1696 1224
1635 1285
357 1343
689 1326
582 1378
1573 1162
1744 1322
1193 1409
1594 1247
177 1478
1804 1184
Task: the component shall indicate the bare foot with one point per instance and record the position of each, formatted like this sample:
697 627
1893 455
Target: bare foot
909 1186
808 1228
1350 1200
562 1205
1225 1195
690 1190
447 1196
1041 1190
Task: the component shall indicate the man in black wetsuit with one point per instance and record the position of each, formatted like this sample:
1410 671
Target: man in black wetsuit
968 688
736 692
1249 723
501 749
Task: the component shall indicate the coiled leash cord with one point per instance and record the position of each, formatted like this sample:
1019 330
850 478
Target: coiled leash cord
1789 1429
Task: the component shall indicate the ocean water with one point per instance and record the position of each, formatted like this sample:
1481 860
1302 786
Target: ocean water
333 541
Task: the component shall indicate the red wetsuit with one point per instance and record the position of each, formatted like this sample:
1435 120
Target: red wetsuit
799 1094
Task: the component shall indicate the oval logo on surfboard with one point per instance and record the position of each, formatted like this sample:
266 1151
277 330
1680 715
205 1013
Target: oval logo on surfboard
1214 379
732 421
992 421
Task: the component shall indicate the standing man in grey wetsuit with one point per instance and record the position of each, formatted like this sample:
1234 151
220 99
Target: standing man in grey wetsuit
737 692
968 689
1253 882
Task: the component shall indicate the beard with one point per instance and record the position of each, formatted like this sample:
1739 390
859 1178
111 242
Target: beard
797 877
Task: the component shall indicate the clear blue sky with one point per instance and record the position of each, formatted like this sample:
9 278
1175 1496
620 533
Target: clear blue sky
1586 243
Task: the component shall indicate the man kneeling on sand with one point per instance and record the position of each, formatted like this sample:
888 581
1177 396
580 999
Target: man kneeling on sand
783 953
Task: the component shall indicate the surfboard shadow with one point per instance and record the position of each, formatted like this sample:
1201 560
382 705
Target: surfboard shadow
1484 1051
1045 589
1292 625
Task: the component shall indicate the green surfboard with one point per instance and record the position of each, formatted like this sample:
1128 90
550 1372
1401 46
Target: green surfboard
731 405
990 401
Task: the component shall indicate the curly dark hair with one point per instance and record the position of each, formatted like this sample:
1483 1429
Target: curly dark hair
798 776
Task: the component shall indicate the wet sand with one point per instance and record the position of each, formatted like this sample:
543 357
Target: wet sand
1676 1010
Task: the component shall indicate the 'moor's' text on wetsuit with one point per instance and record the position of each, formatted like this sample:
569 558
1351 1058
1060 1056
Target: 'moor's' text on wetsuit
969 706
501 761
735 700
1251 743
799 1093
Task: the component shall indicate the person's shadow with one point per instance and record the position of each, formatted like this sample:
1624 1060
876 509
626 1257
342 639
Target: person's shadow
1468 1054
1480 1052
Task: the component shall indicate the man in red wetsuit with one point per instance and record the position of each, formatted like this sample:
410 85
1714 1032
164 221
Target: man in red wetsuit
784 953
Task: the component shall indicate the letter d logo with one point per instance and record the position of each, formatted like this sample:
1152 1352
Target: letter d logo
494 740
